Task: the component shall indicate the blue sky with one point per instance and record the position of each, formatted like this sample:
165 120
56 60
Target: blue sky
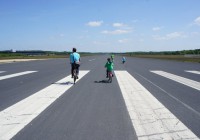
100 25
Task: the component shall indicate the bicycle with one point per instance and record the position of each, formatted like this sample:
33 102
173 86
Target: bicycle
110 75
75 75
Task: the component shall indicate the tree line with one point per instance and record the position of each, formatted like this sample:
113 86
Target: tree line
182 52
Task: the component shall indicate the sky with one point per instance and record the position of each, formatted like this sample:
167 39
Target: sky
100 25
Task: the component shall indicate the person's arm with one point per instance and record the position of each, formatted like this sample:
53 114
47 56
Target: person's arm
106 65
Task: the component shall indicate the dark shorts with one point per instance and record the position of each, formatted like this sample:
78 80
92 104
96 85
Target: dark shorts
75 66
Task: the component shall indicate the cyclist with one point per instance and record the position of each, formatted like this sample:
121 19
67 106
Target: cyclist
112 57
109 65
74 61
123 59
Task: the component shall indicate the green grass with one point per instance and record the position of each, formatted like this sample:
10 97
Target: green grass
4 56
31 57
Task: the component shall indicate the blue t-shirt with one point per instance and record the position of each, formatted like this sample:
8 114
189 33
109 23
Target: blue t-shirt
123 59
74 57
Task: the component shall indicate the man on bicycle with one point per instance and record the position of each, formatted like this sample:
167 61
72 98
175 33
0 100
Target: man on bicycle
74 61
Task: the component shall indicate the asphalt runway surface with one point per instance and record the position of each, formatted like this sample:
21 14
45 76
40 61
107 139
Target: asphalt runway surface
93 109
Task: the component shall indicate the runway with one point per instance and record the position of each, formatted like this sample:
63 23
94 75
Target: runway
148 99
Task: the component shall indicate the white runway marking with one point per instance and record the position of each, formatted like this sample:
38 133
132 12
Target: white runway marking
182 80
2 71
16 117
151 119
171 95
193 71
16 74
91 59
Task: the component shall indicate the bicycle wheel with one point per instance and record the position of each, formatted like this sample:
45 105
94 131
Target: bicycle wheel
75 75
110 77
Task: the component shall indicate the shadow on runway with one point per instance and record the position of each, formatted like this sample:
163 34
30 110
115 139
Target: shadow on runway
102 81
64 83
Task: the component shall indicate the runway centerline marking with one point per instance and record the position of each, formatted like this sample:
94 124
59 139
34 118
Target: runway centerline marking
179 79
15 75
150 118
15 117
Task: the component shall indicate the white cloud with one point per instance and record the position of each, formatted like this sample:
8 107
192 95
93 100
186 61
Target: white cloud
95 23
197 21
122 26
156 28
118 25
116 32
123 40
170 36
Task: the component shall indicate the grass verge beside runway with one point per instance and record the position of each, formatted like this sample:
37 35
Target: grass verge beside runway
169 57
5 56
9 58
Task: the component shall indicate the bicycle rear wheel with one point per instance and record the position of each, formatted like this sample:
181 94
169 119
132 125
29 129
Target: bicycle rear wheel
110 77
75 75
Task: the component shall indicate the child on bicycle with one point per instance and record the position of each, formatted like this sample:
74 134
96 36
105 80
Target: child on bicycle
109 65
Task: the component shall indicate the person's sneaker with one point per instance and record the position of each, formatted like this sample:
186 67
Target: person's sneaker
72 77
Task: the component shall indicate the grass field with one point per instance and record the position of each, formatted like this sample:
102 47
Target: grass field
21 56
31 57
169 57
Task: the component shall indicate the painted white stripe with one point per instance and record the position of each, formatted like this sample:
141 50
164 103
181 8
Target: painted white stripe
2 71
91 59
16 117
171 95
16 74
193 71
150 118
182 80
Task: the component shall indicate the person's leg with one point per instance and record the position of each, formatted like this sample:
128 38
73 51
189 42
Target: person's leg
72 69
106 73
